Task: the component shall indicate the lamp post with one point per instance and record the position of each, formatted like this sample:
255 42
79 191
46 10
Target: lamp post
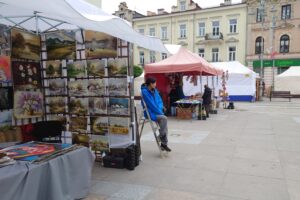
262 19
273 26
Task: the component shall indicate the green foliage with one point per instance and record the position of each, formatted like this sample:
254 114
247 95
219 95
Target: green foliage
137 70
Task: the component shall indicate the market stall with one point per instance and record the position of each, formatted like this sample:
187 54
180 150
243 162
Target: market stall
289 81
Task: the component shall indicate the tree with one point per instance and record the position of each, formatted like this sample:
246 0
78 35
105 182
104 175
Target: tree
137 70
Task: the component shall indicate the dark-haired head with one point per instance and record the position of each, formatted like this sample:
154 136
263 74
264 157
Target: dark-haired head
151 82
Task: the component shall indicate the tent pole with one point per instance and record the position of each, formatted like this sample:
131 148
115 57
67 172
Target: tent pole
201 82
36 22
17 24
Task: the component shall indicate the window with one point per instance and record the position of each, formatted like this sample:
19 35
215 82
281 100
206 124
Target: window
284 44
142 58
164 33
152 57
286 12
280 70
232 53
182 6
259 45
232 25
182 33
122 15
216 28
201 52
152 31
258 15
142 31
215 54
164 56
201 29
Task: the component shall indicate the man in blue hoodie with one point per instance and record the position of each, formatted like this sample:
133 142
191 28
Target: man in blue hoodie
156 110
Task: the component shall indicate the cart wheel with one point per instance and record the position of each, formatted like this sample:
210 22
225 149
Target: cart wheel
130 160
137 155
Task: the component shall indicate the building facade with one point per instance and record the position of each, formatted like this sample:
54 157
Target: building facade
217 33
273 43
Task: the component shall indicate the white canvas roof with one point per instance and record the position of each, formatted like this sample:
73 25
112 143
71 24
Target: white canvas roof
292 71
49 15
289 81
233 67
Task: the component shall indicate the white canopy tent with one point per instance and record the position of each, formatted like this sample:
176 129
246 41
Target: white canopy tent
51 15
289 81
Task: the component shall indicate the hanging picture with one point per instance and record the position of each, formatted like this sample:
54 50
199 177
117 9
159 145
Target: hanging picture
57 105
117 67
60 118
99 143
5 71
118 106
76 69
25 45
5 118
78 124
78 88
61 45
57 87
118 86
96 67
99 125
118 125
100 45
78 106
26 75
97 106
4 39
53 68
6 98
28 104
96 87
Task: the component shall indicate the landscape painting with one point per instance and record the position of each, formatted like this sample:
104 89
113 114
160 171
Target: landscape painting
96 67
99 125
28 104
78 88
99 143
26 75
57 87
118 106
78 106
78 124
118 86
117 67
96 87
118 125
76 69
5 118
5 70
100 45
97 106
53 68
6 98
4 40
57 105
25 45
61 45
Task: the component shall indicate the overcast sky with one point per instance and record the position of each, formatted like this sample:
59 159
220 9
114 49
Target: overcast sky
152 5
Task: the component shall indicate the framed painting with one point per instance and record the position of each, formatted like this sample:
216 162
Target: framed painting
78 106
118 125
5 70
76 69
118 106
117 67
99 143
25 45
57 105
96 87
78 88
97 106
28 104
96 67
26 75
78 124
57 87
53 68
100 45
61 45
6 98
99 125
118 86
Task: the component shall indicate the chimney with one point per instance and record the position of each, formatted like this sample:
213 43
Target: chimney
227 2
161 11
150 13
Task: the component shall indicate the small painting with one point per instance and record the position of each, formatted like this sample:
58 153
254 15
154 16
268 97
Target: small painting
5 70
78 88
78 124
61 45
4 40
117 67
57 87
25 45
28 104
100 45
76 69
118 86
57 105
118 125
96 87
99 125
99 143
118 106
6 98
26 75
96 67
53 68
97 106
78 106
5 118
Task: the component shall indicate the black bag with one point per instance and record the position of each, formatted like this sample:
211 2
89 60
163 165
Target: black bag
113 162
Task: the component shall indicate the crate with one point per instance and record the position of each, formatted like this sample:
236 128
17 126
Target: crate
184 113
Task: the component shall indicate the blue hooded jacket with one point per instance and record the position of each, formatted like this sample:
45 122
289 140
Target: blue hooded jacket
153 101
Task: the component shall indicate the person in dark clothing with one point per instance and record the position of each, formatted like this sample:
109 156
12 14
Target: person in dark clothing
207 99
156 110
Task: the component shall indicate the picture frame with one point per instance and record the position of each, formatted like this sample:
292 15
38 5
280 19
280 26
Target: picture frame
117 67
57 87
97 106
118 106
26 75
28 104
99 125
76 69
118 86
5 69
78 124
78 106
57 105
96 87
78 88
53 68
96 68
